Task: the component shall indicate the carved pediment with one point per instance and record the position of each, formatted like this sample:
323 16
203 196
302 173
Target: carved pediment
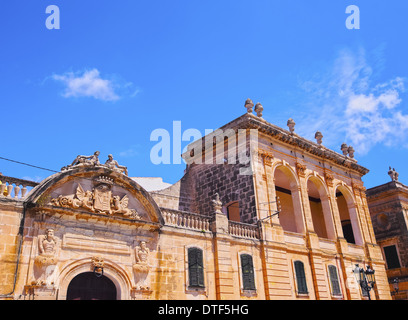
100 198
97 190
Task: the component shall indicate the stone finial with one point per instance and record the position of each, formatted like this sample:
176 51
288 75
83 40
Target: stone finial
248 105
351 152
217 204
318 137
259 109
291 125
344 148
393 174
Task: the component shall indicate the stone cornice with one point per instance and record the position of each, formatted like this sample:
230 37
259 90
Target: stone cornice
391 187
250 121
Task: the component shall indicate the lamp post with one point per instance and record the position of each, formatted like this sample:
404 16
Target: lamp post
395 284
365 278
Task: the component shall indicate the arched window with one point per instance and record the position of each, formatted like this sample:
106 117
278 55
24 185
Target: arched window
247 268
286 188
320 209
300 277
348 216
195 268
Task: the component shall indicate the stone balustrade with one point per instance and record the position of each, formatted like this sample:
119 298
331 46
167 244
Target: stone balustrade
14 188
243 230
186 220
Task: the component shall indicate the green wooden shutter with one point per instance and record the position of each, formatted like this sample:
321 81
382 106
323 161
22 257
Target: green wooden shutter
300 277
195 267
247 267
334 279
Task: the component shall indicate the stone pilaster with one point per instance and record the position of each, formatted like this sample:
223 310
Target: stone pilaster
224 282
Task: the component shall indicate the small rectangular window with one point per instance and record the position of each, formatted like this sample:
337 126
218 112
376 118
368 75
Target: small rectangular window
247 268
334 280
195 267
391 256
300 277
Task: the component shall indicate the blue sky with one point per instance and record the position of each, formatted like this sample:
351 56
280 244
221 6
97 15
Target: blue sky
117 70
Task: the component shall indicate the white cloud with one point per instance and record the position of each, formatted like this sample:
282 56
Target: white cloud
87 84
346 107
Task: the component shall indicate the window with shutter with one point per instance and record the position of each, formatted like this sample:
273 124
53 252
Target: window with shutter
247 267
195 267
334 280
300 277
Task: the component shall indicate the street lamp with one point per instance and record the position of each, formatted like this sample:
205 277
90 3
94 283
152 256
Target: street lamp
365 278
395 284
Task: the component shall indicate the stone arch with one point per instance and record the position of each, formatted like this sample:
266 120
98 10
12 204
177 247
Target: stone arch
320 208
348 214
287 188
112 271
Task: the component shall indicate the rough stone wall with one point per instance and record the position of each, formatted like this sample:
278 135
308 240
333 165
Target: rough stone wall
226 180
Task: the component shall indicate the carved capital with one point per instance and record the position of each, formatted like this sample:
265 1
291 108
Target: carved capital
358 187
301 170
266 156
329 179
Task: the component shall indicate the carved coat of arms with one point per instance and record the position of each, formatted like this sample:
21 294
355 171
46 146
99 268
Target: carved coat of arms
99 200
102 198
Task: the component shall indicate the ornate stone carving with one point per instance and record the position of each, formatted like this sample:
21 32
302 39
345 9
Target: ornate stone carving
113 165
350 151
393 174
344 149
318 137
97 265
99 200
291 124
46 260
301 169
217 204
141 267
249 105
266 156
329 179
358 187
93 160
258 109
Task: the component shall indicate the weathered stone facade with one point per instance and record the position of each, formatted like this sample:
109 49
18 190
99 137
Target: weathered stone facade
388 204
93 219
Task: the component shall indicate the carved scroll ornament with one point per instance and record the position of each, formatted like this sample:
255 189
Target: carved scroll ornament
99 200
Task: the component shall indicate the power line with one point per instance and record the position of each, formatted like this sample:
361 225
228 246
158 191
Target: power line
27 164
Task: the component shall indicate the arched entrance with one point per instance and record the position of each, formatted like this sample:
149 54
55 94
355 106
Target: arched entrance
87 286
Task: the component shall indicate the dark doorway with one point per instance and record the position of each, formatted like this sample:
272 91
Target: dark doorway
87 286
348 231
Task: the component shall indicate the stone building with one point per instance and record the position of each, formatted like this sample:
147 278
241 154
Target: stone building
261 213
388 205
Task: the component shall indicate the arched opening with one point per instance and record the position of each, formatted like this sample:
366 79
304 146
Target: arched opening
320 209
233 211
286 188
87 286
316 209
348 216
